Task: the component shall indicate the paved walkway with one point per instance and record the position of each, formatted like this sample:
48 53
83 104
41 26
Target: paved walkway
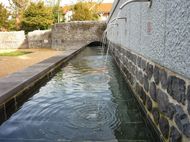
9 65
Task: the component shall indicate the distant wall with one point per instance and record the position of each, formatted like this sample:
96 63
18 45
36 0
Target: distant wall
39 39
61 36
81 32
12 40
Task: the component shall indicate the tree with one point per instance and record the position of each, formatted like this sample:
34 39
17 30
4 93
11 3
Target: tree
4 15
17 8
37 16
83 11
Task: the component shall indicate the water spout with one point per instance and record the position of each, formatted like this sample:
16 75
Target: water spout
132 1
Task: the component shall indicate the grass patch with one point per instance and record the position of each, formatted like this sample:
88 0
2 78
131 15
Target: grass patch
14 53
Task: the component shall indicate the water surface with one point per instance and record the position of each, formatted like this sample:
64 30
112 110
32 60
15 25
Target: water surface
85 101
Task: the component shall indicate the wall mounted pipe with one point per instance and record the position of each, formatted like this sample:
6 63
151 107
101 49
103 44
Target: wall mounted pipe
132 1
126 3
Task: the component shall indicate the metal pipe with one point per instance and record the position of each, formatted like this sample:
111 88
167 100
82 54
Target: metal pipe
122 18
118 18
112 11
131 1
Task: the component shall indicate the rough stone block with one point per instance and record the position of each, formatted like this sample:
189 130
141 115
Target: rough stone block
156 74
143 64
149 70
176 88
175 135
170 111
153 91
146 83
182 121
10 107
139 62
140 77
164 126
143 96
186 130
162 100
156 115
163 78
2 114
138 88
148 103
188 99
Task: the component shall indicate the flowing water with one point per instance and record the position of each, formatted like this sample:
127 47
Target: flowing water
85 101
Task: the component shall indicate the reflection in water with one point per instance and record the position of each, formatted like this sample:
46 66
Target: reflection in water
85 101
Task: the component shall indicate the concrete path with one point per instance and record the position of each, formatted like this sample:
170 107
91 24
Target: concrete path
10 65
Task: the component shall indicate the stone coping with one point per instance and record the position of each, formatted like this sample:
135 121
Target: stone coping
17 82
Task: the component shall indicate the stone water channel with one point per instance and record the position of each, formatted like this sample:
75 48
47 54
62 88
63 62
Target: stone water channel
85 101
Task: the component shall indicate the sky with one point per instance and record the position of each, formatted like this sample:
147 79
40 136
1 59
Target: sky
64 2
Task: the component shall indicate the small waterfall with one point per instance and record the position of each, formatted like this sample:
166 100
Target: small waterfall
112 25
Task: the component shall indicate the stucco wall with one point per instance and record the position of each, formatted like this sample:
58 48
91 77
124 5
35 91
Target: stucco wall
12 40
160 33
72 33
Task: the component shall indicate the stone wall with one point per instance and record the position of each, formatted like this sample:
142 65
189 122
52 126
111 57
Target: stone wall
61 36
12 40
39 39
151 48
164 94
72 33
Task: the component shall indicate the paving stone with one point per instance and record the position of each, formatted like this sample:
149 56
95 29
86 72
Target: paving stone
175 135
156 115
149 70
156 74
153 91
176 88
163 78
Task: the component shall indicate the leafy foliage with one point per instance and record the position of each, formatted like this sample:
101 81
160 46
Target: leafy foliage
4 14
22 4
37 16
83 11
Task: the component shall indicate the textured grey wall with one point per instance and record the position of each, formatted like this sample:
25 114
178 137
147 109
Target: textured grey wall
160 33
12 40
